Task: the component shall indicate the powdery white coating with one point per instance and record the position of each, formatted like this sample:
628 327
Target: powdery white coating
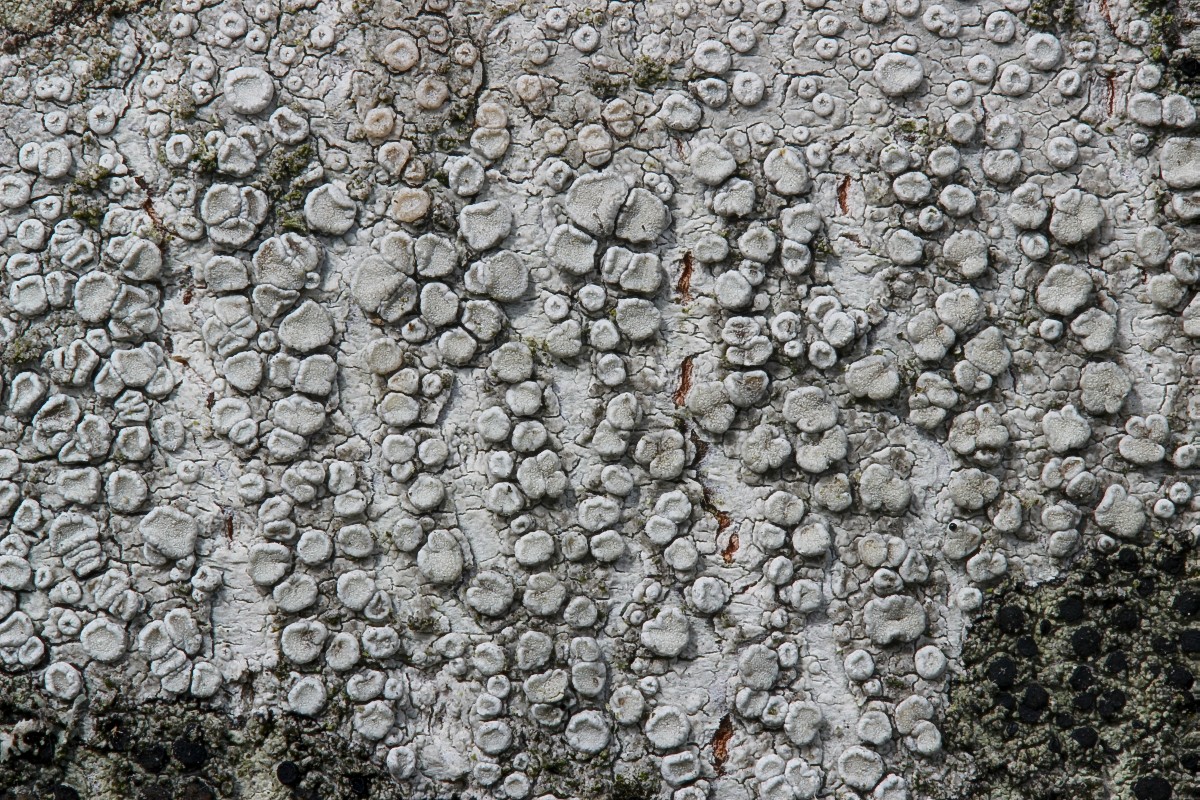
63 680
171 532
328 209
1076 216
103 639
898 74
248 90
588 732
894 619
1064 290
860 768
307 696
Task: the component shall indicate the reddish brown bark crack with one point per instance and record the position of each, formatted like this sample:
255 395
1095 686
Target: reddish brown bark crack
684 284
685 382
720 744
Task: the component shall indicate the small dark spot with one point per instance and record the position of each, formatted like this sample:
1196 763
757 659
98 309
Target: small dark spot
1084 701
1064 721
1187 604
1180 678
1116 662
1128 560
1081 678
152 759
156 791
731 547
1111 703
1162 645
1189 640
1010 620
1054 745
683 285
1152 787
1027 647
1126 618
195 790
1172 563
1086 642
1044 627
287 773
1071 609
1010 730
1146 586
1002 672
1085 737
64 792
39 746
359 787
116 735
190 753
1189 68
1030 716
720 743
1006 701
1035 696
685 382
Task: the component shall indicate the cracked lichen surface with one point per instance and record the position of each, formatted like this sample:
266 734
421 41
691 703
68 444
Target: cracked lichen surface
730 399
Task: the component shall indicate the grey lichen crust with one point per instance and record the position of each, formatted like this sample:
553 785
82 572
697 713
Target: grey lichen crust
746 400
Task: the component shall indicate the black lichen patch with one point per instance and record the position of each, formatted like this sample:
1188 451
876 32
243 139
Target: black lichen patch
182 749
1085 688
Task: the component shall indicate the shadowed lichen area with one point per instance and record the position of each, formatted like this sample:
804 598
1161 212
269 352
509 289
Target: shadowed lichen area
23 19
172 750
1086 687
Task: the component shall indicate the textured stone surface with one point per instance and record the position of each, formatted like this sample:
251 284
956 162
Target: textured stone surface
679 399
